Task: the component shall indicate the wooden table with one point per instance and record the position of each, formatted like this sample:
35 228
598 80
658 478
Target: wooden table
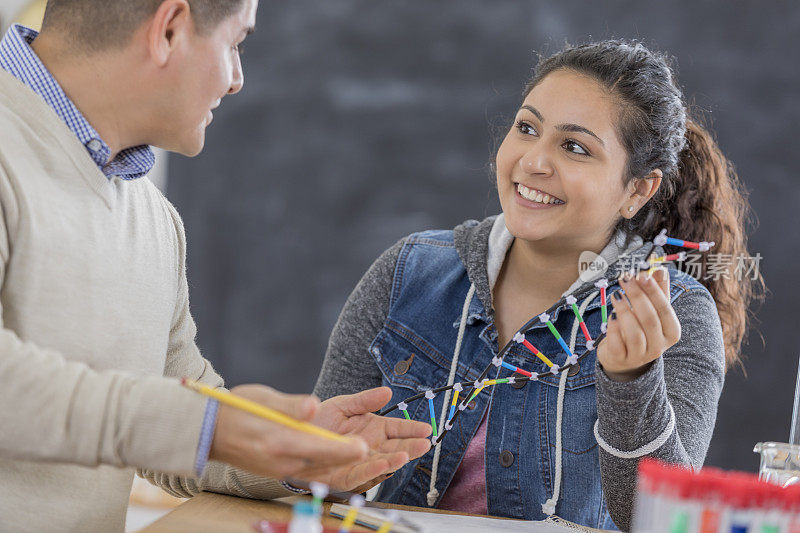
209 512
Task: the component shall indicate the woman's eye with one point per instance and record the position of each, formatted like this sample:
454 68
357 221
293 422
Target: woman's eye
575 148
525 128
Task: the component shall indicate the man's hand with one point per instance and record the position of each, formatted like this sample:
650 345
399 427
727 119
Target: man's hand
270 449
394 441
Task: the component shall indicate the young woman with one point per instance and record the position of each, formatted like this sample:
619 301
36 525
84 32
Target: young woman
601 155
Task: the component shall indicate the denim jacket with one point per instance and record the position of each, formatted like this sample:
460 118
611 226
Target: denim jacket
413 350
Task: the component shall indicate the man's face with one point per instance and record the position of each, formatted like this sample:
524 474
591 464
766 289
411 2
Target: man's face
210 68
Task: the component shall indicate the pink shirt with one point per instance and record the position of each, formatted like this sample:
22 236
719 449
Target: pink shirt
467 490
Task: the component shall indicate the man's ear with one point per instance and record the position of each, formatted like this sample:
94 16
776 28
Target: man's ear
170 24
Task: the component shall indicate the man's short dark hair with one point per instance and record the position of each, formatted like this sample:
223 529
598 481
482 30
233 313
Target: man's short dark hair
99 24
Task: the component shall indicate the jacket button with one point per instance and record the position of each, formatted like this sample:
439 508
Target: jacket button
506 458
518 384
472 405
402 366
574 369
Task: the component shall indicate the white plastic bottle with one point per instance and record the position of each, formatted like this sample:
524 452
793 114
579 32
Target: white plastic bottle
305 518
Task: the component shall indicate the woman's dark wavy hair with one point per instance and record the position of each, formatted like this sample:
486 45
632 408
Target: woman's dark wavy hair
700 198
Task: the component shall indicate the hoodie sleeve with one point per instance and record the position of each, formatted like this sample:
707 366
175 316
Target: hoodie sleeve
686 380
348 367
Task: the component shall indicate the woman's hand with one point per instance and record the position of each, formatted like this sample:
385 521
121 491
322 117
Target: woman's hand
640 331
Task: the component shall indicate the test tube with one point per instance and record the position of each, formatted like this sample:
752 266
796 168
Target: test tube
794 436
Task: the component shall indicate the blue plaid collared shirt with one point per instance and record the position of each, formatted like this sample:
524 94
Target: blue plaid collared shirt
18 59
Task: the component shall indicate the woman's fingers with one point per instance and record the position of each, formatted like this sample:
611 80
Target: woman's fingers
661 276
635 340
659 296
645 313
612 351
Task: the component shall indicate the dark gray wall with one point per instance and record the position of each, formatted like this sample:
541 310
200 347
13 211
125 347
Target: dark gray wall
362 121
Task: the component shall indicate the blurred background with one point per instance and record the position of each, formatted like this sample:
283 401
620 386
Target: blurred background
363 121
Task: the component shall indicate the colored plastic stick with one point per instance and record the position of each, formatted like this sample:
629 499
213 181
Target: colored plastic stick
457 388
403 406
536 352
572 301
509 366
319 491
662 239
517 369
477 391
356 502
604 303
682 244
681 256
602 284
429 395
544 317
586 332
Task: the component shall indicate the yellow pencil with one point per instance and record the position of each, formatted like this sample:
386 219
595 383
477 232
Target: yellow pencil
261 410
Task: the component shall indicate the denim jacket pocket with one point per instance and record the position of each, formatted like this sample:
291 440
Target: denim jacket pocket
406 359
410 364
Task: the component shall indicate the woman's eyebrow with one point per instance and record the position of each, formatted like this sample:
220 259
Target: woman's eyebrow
534 111
573 128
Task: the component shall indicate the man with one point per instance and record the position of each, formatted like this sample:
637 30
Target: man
96 321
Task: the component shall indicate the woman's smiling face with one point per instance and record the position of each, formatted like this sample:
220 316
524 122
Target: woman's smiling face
560 167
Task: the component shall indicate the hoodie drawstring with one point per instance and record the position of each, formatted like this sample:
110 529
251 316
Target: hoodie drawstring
433 493
549 507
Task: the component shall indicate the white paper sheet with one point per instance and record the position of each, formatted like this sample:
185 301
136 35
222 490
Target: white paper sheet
450 523
447 523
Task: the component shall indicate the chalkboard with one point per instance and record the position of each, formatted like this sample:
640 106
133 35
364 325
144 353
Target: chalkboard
363 121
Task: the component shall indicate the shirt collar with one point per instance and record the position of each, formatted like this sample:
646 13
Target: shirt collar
18 59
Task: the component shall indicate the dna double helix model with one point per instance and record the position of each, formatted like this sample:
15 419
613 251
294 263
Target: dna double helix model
468 390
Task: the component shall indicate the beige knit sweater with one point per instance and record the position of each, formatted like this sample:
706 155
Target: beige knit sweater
95 312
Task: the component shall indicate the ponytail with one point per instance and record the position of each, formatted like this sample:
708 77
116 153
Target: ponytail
707 202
